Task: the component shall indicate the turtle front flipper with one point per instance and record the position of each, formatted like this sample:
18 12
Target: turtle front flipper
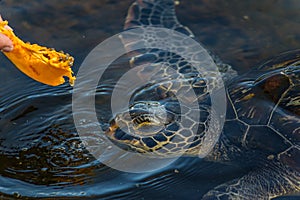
273 180
145 14
158 13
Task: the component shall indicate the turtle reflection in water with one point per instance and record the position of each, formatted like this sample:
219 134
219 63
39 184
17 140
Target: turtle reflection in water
262 121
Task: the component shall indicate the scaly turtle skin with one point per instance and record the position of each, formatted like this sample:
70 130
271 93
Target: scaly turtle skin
262 120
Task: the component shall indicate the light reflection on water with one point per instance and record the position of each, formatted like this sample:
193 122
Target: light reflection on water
40 152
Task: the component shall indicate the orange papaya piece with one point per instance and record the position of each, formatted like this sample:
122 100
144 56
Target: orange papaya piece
42 64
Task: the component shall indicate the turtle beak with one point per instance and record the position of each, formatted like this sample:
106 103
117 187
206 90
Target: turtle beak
110 132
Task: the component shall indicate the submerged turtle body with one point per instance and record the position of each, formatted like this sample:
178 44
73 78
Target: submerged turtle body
262 131
262 119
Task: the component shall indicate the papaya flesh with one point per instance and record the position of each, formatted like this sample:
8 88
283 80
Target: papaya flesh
42 64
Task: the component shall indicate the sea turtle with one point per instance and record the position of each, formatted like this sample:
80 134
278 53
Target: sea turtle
262 120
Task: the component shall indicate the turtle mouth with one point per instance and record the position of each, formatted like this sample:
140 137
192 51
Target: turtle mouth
138 123
143 119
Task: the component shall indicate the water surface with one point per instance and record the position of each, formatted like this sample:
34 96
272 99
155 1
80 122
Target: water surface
41 154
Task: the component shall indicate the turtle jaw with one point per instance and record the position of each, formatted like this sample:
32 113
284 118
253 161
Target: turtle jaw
136 125
147 128
136 128
141 120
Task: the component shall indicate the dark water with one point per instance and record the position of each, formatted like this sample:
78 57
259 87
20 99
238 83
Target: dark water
41 156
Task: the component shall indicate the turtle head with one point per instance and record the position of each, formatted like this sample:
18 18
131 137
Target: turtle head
154 128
